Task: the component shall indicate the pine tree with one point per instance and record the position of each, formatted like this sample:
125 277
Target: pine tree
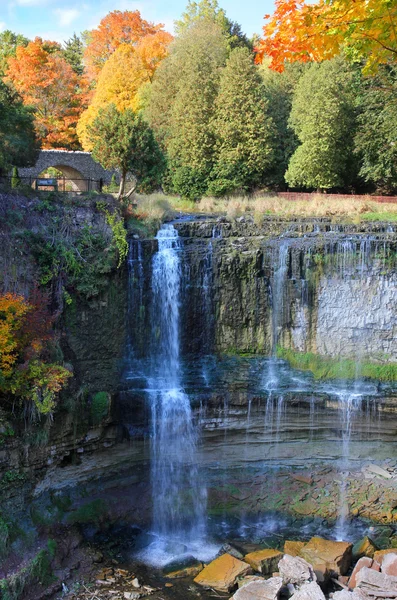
323 118
243 129
73 53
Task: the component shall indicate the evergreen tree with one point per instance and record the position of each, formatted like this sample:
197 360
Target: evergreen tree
18 143
279 89
15 179
323 118
73 53
182 102
376 138
243 129
122 140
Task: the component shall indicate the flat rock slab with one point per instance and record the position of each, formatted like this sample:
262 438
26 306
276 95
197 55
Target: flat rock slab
264 561
293 548
327 557
379 471
309 591
222 573
295 570
266 589
376 584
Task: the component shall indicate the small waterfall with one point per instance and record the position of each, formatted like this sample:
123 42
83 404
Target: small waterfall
135 298
179 497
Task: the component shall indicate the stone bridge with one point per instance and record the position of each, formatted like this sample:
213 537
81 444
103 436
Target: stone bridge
79 169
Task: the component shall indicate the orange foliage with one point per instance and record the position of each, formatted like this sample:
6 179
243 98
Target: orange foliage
302 31
47 82
25 371
116 28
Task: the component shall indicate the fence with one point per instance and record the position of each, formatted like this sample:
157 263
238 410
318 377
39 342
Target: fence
58 184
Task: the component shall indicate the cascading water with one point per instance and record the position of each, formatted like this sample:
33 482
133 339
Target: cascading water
179 498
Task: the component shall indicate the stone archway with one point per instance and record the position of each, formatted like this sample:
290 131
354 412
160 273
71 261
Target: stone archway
73 180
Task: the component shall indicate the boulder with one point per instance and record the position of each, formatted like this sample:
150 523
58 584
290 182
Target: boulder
265 589
389 564
309 591
222 573
364 547
293 548
376 584
189 567
248 579
379 554
264 561
229 549
327 557
365 561
295 570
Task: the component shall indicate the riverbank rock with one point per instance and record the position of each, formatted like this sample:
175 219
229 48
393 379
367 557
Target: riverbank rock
295 570
190 567
309 591
248 579
327 557
264 561
365 561
364 547
293 548
222 573
380 554
389 564
376 584
265 589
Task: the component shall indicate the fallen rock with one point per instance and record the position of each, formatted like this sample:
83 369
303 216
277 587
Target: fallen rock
327 557
346 595
309 591
132 595
222 573
379 471
229 549
248 579
293 548
303 478
264 561
295 570
389 564
380 554
365 561
264 589
364 547
376 584
188 567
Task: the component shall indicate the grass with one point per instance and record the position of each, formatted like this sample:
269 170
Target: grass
324 367
155 208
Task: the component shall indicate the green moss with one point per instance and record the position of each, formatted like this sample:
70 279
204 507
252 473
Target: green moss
381 216
324 367
92 512
99 407
38 571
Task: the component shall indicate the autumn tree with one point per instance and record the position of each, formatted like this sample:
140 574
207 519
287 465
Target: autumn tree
73 50
48 83
323 118
303 31
120 80
115 29
244 131
9 43
27 373
376 137
182 104
122 140
18 142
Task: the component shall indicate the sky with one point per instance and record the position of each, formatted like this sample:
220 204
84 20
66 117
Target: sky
58 19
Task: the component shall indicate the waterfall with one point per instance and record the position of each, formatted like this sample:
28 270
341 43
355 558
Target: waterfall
179 497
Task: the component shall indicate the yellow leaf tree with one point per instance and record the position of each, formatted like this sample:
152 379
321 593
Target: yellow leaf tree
120 80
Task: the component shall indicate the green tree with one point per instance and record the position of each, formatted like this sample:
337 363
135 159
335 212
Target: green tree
210 10
18 144
73 53
124 141
376 138
243 129
15 179
8 45
323 118
181 105
279 89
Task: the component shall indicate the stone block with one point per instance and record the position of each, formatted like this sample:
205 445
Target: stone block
327 557
293 548
265 589
264 561
222 573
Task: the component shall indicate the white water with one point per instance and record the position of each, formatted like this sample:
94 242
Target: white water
179 497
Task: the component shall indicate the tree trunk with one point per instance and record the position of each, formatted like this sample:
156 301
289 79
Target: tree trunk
122 185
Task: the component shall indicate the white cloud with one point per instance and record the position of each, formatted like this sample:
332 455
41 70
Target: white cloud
66 16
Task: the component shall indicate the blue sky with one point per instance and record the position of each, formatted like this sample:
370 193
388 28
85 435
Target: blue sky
58 19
